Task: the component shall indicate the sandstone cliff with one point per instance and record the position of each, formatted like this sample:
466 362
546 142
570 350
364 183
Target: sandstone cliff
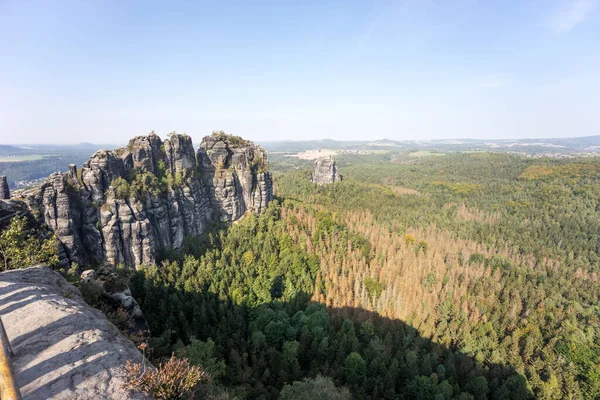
325 171
127 204
62 348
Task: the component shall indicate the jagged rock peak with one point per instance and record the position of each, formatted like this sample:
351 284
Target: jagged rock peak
231 141
224 151
4 190
179 152
145 152
241 182
126 204
325 171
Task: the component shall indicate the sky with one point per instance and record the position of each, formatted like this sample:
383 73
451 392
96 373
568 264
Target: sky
104 71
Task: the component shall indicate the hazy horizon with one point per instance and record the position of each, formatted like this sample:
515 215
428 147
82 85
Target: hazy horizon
103 72
197 138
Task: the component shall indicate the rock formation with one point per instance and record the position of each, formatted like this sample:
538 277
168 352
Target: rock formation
124 205
62 348
106 280
4 190
240 181
325 171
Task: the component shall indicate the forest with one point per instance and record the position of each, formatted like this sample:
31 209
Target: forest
465 276
456 277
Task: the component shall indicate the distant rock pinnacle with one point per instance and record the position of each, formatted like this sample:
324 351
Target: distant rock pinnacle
325 171
4 190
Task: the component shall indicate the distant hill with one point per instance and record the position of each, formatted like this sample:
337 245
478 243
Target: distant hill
24 164
586 144
6 150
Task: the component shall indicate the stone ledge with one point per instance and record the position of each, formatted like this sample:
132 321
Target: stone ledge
63 348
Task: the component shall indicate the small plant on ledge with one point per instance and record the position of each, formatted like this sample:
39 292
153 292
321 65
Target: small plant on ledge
176 379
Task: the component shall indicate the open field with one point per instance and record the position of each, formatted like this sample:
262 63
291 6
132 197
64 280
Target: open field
320 153
32 157
424 153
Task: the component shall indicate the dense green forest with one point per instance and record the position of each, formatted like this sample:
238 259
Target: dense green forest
466 276
458 277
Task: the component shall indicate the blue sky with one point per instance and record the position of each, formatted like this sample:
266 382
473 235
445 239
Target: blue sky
103 71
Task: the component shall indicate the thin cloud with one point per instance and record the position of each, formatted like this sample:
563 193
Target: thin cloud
570 13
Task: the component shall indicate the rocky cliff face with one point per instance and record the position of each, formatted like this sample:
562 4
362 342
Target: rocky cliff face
62 348
240 181
325 171
127 204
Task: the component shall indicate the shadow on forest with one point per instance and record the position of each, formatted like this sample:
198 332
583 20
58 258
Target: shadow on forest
273 344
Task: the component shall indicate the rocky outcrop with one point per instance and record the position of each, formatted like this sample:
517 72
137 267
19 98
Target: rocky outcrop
113 291
126 205
4 190
62 348
240 181
325 171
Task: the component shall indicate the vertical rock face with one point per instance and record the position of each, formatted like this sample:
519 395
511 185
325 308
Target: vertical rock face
325 171
179 153
127 204
240 180
100 170
4 190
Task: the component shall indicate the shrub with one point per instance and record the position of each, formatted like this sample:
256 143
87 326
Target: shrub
91 293
176 379
139 183
20 249
145 183
72 275
121 188
233 140
118 316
